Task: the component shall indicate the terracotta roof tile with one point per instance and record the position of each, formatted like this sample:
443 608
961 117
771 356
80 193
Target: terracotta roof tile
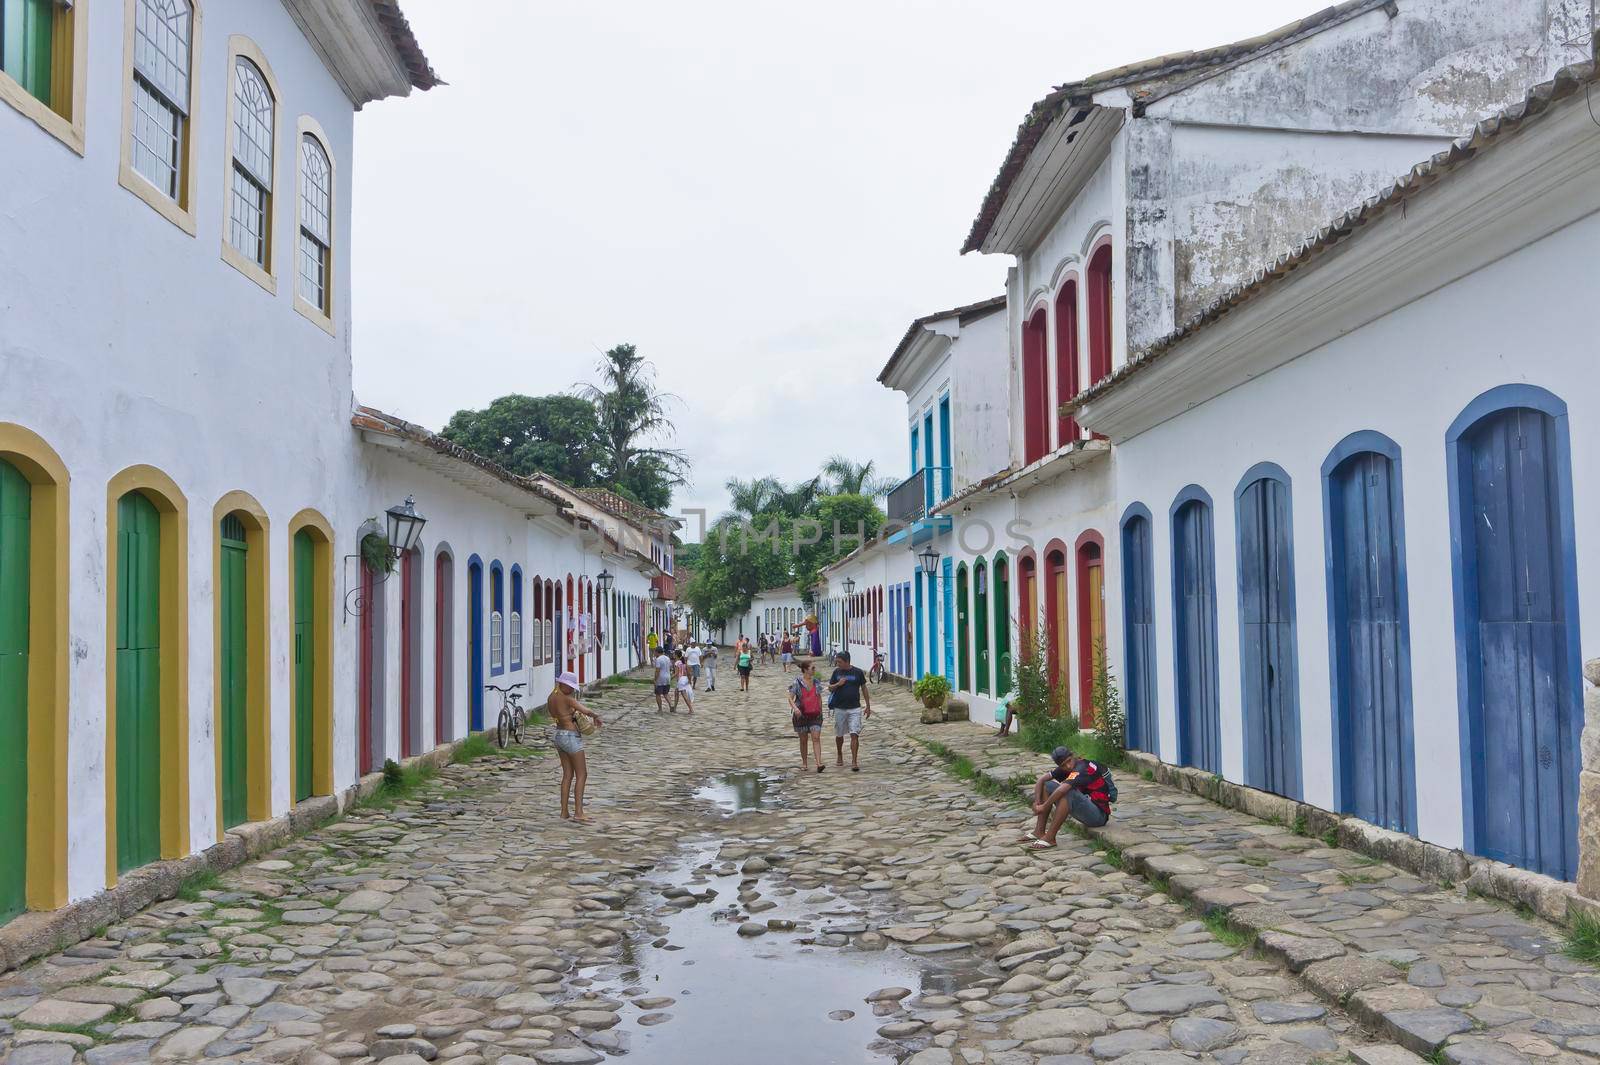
405 43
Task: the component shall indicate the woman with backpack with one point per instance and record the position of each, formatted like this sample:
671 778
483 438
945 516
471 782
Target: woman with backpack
805 708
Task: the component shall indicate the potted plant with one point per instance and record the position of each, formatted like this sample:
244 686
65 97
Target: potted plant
931 690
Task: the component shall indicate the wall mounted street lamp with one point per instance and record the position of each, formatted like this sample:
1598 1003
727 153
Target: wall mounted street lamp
655 594
604 581
405 527
928 560
849 586
402 529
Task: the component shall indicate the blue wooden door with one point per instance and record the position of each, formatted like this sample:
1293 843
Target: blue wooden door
1138 619
1270 682
475 645
1195 620
1372 659
1525 706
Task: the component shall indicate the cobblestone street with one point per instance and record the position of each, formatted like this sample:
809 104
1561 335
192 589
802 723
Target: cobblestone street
724 908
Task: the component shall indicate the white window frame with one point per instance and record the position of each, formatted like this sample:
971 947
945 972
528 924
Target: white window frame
179 209
241 47
497 642
322 317
516 640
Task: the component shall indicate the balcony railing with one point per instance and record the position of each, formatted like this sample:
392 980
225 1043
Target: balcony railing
911 499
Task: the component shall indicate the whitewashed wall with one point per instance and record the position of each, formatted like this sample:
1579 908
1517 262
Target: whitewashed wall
1407 375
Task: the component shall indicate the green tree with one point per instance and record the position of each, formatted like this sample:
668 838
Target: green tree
835 523
633 420
557 435
848 478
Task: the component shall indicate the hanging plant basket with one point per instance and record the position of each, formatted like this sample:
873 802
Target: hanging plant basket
375 553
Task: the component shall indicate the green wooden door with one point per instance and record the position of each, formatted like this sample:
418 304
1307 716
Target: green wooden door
980 580
305 661
138 682
1002 627
15 498
234 669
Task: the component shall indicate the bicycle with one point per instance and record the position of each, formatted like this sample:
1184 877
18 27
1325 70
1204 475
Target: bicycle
513 719
875 675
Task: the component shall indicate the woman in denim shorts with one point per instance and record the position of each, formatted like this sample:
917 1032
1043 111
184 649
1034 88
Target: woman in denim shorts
805 706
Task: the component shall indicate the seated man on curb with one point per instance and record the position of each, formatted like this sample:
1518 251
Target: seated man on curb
1076 787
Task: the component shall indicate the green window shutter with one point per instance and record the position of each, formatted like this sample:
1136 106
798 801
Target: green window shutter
27 30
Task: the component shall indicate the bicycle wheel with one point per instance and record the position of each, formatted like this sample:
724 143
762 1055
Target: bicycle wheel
501 729
518 719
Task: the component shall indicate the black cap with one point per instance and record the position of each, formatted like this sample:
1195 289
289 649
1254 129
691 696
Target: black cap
1059 755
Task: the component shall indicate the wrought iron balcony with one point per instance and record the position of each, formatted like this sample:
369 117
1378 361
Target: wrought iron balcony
911 499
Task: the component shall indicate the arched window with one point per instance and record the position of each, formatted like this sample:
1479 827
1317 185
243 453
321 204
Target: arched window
1067 356
160 89
497 620
315 285
250 195
1098 291
550 614
515 634
1035 390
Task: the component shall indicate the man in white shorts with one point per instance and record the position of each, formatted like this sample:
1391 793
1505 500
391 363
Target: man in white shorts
848 686
692 656
663 666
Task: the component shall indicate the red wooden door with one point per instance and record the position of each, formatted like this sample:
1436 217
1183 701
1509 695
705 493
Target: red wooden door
364 753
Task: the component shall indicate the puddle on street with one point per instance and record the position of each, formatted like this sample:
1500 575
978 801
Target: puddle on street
741 791
741 999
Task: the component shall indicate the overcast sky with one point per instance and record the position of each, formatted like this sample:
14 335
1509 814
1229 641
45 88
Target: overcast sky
759 196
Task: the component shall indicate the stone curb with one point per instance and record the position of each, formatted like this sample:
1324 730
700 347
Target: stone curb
1552 899
1373 992
34 934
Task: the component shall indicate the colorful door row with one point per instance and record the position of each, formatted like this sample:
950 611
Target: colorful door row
1516 629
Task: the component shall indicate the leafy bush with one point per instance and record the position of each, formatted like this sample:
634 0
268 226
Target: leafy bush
932 688
1031 698
1110 721
375 553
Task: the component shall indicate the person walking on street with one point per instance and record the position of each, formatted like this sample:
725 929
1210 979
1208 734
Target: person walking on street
682 690
565 710
693 657
788 651
663 666
708 662
745 661
849 687
654 642
805 708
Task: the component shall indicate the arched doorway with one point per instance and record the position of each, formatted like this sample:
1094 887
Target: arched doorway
1027 604
411 653
1516 596
1375 775
444 642
311 656
1269 668
1002 624
980 595
1138 625
1091 621
474 644
1194 610
1055 623
374 673
963 632
147 783
242 646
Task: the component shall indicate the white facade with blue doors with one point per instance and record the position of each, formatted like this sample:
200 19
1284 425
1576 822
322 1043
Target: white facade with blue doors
1399 447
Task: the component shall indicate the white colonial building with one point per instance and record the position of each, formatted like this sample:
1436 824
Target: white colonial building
198 634
1214 496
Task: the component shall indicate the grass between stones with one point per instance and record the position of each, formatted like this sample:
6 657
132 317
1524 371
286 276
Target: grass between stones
399 783
99 1031
472 748
1583 939
961 767
195 885
1217 924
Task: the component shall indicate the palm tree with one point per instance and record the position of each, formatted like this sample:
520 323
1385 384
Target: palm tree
845 477
632 413
757 496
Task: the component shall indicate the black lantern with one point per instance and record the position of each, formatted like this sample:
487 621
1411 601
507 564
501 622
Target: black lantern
604 580
928 559
405 526
655 593
849 586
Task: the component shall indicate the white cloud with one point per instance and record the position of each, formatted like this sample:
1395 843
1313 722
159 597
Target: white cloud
761 197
